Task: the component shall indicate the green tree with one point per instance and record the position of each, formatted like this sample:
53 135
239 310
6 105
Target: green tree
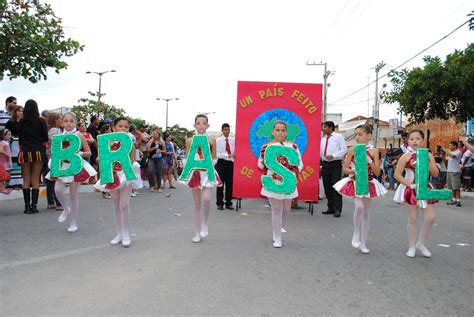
88 107
439 90
180 134
32 39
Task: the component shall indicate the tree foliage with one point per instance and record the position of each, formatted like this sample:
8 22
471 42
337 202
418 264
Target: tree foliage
439 90
32 39
88 107
180 134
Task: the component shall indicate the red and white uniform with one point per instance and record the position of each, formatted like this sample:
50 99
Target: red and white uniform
120 180
200 179
346 186
87 170
407 195
283 161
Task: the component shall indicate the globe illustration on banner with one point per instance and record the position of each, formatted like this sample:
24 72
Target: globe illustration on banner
261 129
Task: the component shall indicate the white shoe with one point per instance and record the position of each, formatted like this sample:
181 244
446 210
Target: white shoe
411 252
126 242
63 215
283 230
277 244
363 249
426 253
133 194
116 240
356 244
197 238
72 228
204 231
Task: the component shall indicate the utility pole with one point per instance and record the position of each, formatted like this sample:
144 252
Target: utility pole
376 108
325 89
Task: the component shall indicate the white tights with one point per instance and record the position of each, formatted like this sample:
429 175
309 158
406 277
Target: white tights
428 220
361 221
59 189
203 199
279 207
121 200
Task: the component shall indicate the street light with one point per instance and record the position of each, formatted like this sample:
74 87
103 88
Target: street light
327 73
100 80
167 100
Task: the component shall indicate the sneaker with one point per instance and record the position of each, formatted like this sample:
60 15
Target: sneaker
51 207
116 240
167 195
355 244
160 190
126 242
106 195
197 238
363 249
452 202
426 253
458 203
411 252
63 215
283 230
133 194
277 244
72 228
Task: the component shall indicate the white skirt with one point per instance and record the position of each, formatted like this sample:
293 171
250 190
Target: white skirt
135 184
69 179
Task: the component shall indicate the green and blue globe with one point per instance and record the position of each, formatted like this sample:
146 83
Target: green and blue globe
261 129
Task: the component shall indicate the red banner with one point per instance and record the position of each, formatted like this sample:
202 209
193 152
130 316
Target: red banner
259 105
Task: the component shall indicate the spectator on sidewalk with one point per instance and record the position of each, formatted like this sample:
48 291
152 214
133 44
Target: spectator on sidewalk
454 173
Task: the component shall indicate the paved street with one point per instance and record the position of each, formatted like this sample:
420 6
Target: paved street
47 271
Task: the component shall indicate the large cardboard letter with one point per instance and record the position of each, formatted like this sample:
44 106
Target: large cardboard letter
199 142
423 192
361 172
288 178
108 156
59 155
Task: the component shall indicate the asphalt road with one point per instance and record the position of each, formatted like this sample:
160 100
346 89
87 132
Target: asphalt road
44 270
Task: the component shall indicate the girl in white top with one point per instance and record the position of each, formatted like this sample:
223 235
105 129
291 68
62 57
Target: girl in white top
121 189
406 193
200 183
346 186
280 203
69 125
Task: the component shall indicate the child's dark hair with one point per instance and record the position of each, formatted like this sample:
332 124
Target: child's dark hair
117 120
201 116
367 128
454 143
416 131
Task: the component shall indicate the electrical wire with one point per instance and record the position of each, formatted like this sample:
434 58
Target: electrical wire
407 61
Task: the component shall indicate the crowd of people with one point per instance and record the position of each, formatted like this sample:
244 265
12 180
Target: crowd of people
26 138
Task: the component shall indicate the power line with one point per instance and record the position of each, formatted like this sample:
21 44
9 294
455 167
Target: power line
444 37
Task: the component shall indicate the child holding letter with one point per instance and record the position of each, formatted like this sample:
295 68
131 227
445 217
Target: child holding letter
406 193
200 183
346 186
121 189
280 202
69 125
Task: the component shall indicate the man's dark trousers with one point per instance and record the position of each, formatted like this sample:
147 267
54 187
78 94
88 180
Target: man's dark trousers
332 173
225 169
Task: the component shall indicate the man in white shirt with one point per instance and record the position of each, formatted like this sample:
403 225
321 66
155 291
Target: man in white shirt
10 103
225 147
466 169
404 146
332 151
454 173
